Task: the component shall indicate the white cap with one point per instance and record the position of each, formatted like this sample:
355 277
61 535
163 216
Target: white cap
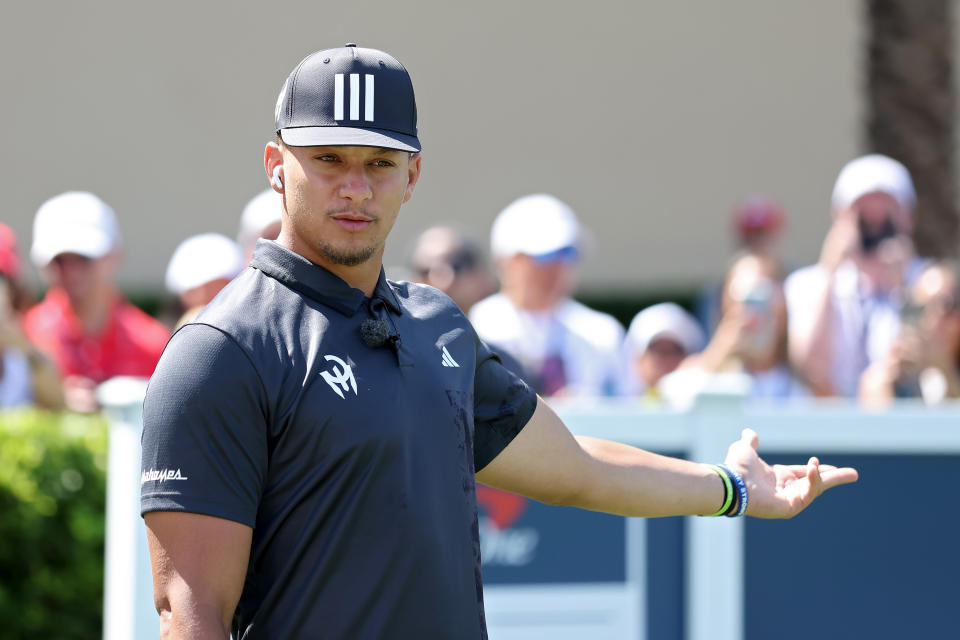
534 225
73 222
664 320
870 174
264 209
201 259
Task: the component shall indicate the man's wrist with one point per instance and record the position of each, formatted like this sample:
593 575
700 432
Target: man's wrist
728 491
741 498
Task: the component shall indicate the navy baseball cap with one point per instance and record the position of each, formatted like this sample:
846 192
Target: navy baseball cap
348 96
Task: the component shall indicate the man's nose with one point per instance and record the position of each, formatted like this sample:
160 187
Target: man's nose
355 185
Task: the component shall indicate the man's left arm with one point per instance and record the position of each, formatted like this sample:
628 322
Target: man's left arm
547 463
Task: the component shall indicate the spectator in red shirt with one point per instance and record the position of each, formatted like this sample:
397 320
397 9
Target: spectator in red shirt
84 324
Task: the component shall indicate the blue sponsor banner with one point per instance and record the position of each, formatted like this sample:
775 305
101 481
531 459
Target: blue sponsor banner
879 559
525 542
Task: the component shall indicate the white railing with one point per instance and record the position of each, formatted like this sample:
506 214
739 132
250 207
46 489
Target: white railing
715 554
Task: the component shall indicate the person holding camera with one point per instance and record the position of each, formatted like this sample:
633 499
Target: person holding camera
924 361
751 336
844 310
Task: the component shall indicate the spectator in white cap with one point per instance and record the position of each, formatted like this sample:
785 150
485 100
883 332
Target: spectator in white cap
844 310
260 219
200 267
83 323
564 347
658 340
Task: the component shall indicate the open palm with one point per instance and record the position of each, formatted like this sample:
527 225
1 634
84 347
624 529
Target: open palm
781 491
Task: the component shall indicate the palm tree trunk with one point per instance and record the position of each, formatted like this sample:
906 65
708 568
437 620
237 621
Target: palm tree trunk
910 108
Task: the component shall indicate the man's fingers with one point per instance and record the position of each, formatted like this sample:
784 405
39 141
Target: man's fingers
813 475
750 436
833 476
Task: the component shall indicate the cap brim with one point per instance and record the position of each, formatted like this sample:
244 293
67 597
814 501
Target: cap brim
346 136
89 244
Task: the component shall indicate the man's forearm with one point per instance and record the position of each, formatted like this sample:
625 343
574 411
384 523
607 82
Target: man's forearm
811 354
547 463
632 482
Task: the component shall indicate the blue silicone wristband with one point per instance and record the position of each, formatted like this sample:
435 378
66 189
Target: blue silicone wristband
741 490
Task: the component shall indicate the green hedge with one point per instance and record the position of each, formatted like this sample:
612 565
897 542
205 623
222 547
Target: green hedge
52 516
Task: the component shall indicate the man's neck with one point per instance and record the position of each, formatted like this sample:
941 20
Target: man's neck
534 303
93 309
362 276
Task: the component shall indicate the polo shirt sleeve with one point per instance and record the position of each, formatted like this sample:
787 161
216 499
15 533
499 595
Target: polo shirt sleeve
502 406
204 429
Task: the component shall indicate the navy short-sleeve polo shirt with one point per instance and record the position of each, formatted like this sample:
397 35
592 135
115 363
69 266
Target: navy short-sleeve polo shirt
353 464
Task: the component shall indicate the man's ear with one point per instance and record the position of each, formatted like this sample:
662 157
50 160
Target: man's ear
413 174
273 165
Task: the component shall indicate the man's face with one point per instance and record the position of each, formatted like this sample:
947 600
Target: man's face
662 356
937 292
341 202
538 283
79 275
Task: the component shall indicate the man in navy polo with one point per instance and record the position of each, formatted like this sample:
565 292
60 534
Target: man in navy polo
312 438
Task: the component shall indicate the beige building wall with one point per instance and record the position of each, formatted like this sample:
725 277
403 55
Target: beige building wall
650 119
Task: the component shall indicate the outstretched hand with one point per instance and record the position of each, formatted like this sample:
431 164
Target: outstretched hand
781 491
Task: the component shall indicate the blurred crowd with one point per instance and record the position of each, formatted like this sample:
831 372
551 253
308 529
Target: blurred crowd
869 320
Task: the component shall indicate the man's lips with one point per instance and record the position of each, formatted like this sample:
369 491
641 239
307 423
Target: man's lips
352 221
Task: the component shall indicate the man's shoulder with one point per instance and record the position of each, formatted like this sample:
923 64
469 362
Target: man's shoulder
804 281
422 300
38 316
46 314
130 318
249 303
491 307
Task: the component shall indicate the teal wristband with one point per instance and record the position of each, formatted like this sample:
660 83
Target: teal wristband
727 491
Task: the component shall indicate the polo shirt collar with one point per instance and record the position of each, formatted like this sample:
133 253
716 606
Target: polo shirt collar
316 282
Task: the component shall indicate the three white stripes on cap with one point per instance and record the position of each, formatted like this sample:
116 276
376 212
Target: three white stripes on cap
338 100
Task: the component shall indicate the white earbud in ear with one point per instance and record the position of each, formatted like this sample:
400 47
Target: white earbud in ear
277 180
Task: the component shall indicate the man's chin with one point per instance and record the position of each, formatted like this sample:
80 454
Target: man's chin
348 258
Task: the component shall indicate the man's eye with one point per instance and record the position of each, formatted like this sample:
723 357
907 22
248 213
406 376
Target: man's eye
383 163
327 158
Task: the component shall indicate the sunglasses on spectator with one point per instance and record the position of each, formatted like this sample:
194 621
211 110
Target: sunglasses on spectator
665 348
71 259
459 262
564 255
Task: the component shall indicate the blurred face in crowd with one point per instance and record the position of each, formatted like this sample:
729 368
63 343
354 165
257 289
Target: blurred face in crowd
443 260
538 283
465 285
937 291
753 299
663 355
82 278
